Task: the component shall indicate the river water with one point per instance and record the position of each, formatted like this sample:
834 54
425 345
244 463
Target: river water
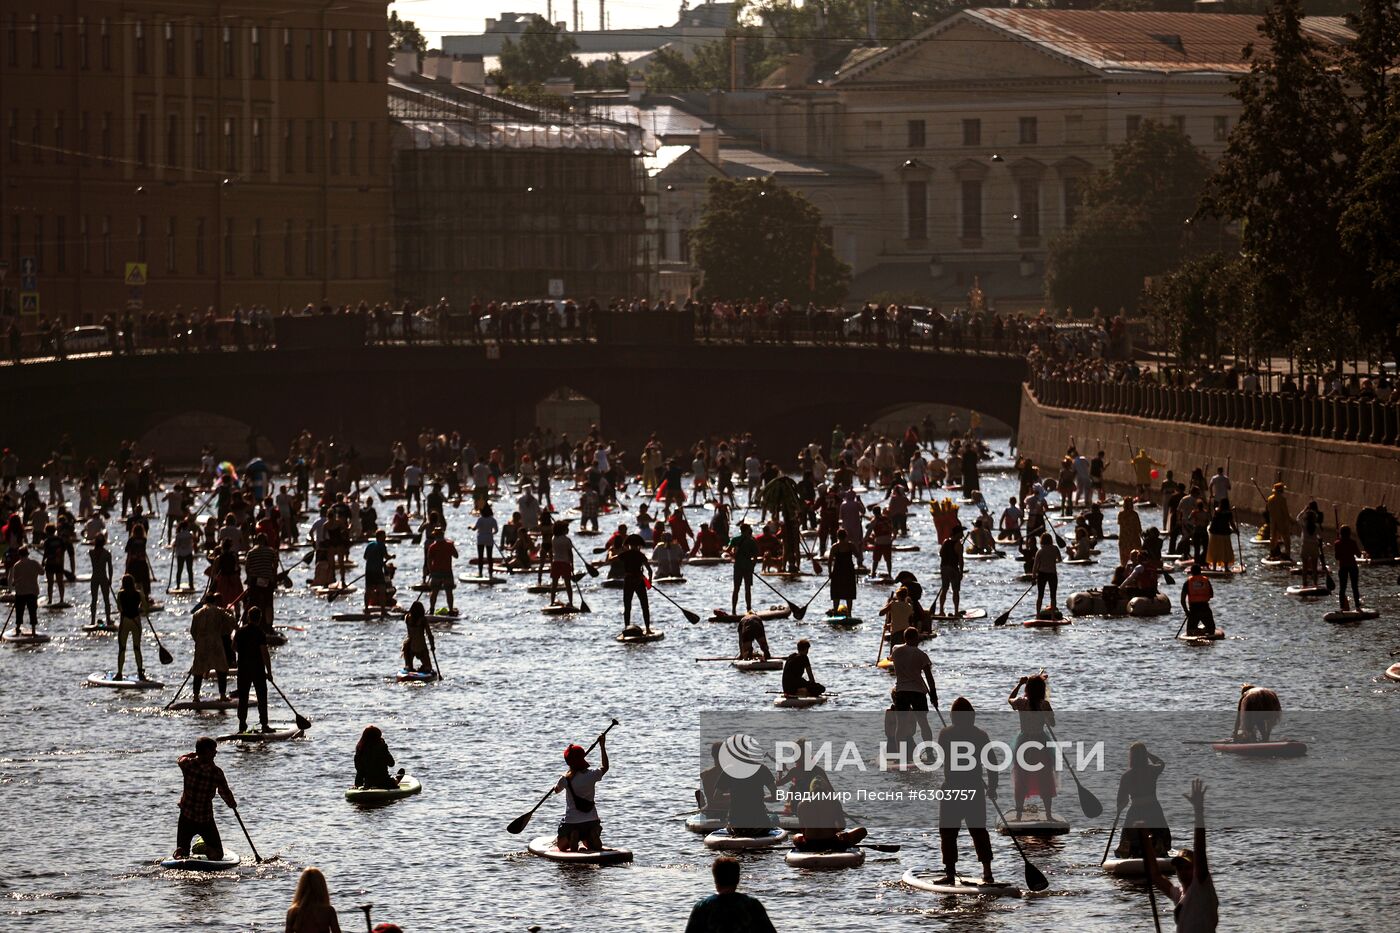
89 781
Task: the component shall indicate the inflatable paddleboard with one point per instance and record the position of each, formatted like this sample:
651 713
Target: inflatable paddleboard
1081 561
482 581
229 703
770 614
109 679
844 621
19 638
405 676
965 615
100 628
994 555
1351 615
1393 672
702 823
758 664
1287 748
1306 591
793 701
276 735
725 841
705 561
179 590
1039 622
535 589
1277 562
55 607
1039 828
1135 867
544 847
328 590
639 639
374 615
961 886
408 786
194 863
842 858
669 581
560 609
1190 639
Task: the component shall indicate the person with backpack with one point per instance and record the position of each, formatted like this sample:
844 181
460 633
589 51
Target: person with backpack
581 826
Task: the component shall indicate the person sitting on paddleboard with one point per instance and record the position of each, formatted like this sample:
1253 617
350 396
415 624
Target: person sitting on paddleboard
1197 905
203 779
749 794
1137 792
667 556
715 802
707 543
727 910
823 820
1259 710
1196 594
1036 717
373 761
798 678
899 615
744 550
581 826
418 640
965 790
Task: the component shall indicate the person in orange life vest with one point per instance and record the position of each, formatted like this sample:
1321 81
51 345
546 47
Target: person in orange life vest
1196 594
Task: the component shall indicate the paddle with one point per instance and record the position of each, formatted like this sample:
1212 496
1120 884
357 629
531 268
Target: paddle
256 857
1087 801
284 576
1149 859
302 721
797 611
518 824
873 846
1111 831
333 595
587 564
369 925
690 617
180 690
1184 620
8 616
1006 616
698 660
165 656
437 668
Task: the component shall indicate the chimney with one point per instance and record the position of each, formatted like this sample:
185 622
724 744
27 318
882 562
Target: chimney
636 87
435 64
406 62
602 16
708 144
468 70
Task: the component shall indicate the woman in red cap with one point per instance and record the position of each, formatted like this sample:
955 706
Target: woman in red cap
580 825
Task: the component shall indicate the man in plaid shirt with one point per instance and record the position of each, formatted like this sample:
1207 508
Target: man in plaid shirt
203 779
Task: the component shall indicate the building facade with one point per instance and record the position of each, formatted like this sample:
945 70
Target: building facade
193 154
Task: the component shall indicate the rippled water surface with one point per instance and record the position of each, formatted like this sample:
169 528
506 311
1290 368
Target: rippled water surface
90 785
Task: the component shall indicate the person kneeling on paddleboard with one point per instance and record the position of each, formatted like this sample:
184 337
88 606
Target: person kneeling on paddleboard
1196 594
1197 905
203 779
419 639
823 820
965 791
1258 712
373 761
581 826
798 678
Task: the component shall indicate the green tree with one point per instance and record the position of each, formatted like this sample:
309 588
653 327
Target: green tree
1133 223
1192 301
1370 60
756 238
544 51
404 34
671 71
1370 228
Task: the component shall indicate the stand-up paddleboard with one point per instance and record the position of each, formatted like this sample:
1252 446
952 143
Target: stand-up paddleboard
785 574
334 588
885 664
704 822
408 786
1277 562
906 548
841 858
180 591
1039 828
216 704
1286 748
725 841
772 613
276 735
844 621
639 638
1210 639
1135 867
406 676
758 664
55 607
795 701
1393 672
560 609
1306 591
545 847
1081 561
1047 622
22 638
965 615
374 615
482 581
704 561
537 589
1351 615
961 886
1223 574
197 863
668 581
883 579
991 555
100 628
110 680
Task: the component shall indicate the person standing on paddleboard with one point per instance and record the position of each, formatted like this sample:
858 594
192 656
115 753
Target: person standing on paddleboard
1137 793
439 564
844 563
1197 905
1310 544
1346 551
419 639
914 685
964 790
1196 594
100 559
203 779
581 826
1036 777
744 550
485 528
376 557
254 667
635 572
210 627
561 564
1045 564
950 570
260 575
129 604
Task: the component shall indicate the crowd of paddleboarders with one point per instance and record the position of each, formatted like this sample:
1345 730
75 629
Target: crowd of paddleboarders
247 529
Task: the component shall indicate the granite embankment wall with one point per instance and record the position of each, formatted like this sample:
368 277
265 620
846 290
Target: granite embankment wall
1352 475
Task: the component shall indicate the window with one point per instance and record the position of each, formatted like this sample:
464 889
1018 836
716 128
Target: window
201 144
83 59
916 210
873 131
230 145
333 149
228 246
369 150
170 244
84 138
259 150
38 253
84 244
372 264
12 134
172 141
1074 128
170 48
353 147
330 55
140 47
16 229
916 134
107 139
36 144
143 143
60 244
369 57
36 44
1131 123
1074 199
288 59
1179 121
1028 206
972 210
199 50
12 41
58 47
228 51
335 251
1220 129
350 55
308 248
288 153
972 132
140 237
255 39
257 246
105 37
309 58
200 265
310 147
59 150
1030 130
287 258
107 243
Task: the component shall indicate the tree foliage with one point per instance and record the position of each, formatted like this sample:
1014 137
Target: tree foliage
543 51
405 34
756 238
709 68
1133 223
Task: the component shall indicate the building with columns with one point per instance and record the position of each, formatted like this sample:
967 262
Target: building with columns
239 150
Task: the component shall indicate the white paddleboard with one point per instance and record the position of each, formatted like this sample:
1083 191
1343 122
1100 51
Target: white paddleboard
962 886
843 858
544 847
408 786
759 664
195 863
109 679
725 841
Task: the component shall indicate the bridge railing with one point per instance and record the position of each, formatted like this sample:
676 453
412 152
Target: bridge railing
1364 420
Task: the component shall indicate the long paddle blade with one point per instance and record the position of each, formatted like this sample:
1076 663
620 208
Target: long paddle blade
691 617
1089 803
518 824
1002 619
1035 878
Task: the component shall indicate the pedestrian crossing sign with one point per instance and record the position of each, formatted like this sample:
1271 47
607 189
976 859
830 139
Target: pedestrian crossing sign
136 273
